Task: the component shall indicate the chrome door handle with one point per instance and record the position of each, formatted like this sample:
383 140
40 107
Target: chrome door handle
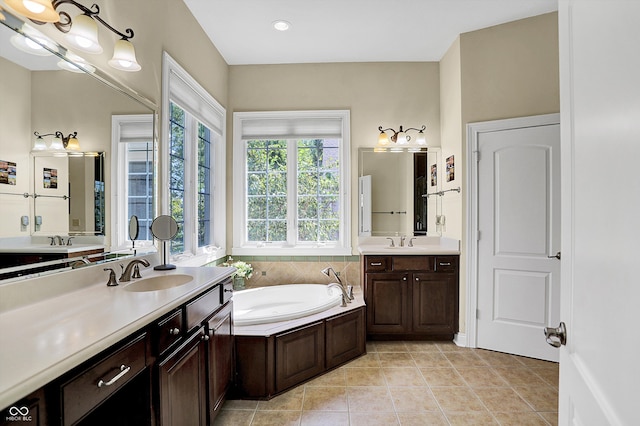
556 337
557 256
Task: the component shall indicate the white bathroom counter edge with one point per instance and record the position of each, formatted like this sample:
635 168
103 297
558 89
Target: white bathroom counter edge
46 339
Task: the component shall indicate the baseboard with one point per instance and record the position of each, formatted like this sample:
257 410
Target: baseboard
460 339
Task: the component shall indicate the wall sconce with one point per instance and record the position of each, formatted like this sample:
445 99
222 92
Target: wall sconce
401 137
81 32
60 142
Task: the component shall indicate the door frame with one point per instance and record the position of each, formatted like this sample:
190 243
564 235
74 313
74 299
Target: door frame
474 130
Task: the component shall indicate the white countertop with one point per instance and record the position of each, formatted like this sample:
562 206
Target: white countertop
47 248
44 337
421 246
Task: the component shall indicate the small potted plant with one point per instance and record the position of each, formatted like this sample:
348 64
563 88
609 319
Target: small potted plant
243 272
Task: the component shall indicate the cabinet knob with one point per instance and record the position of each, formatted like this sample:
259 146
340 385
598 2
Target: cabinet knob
404 278
204 337
174 331
417 279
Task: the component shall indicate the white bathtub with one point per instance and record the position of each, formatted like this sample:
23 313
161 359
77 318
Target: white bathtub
282 302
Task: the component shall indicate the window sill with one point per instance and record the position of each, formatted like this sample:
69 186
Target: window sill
200 259
291 251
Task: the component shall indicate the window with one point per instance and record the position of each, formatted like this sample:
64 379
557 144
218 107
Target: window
195 172
133 157
291 183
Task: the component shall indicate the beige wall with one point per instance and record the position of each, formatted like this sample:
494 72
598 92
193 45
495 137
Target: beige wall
377 94
505 71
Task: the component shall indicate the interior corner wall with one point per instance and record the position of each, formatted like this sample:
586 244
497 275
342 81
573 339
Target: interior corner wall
509 70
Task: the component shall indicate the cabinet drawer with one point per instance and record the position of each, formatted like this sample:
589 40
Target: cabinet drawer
88 389
227 291
201 308
376 263
446 264
168 331
413 263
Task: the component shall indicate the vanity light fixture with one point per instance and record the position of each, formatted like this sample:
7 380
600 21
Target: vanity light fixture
33 41
401 138
37 10
75 63
81 32
60 142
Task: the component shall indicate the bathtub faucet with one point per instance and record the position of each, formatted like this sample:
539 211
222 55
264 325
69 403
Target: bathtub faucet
347 290
344 295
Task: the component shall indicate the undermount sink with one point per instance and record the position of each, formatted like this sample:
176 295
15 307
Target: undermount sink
162 282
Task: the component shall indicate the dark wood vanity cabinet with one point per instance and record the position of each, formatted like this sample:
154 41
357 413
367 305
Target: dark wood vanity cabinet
411 297
220 358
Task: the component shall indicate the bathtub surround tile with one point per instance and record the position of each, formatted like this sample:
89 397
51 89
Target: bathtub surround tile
446 385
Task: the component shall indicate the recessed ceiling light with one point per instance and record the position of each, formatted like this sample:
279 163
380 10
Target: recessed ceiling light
281 25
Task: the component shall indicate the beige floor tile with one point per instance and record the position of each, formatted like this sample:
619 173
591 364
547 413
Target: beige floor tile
276 418
239 404
457 399
403 377
465 359
550 417
364 377
369 399
413 399
430 359
442 376
371 347
367 360
541 398
478 418
532 362
481 376
448 347
373 419
234 418
520 376
383 346
419 346
550 375
332 378
291 400
520 419
325 399
423 419
396 359
501 400
498 358
324 418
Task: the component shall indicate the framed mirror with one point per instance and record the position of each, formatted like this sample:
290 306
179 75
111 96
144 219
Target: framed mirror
56 91
393 191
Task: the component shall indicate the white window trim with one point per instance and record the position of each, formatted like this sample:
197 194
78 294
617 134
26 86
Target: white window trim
119 192
177 83
240 246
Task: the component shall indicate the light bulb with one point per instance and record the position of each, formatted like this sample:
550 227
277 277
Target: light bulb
33 7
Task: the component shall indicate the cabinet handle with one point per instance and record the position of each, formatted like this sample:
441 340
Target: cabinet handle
228 290
205 337
376 264
124 369
174 331
404 278
445 264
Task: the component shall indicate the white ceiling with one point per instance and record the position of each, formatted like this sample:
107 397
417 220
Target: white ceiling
350 30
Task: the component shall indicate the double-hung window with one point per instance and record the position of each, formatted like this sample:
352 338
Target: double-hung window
195 166
291 183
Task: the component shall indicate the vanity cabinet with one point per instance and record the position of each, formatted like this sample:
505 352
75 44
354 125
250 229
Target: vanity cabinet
411 297
220 358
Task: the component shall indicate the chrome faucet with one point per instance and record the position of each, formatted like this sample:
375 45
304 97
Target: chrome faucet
347 290
57 238
411 242
391 244
344 295
132 267
402 238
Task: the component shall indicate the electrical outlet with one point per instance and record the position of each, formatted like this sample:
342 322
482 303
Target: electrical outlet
264 273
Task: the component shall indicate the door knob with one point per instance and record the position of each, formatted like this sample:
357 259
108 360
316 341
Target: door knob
556 337
557 256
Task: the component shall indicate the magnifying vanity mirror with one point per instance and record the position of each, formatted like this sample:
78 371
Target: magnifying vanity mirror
134 230
60 193
164 228
393 188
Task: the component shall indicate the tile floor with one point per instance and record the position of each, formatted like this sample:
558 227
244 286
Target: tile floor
414 383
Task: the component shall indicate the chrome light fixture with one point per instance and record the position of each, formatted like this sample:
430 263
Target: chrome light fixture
60 142
81 32
401 137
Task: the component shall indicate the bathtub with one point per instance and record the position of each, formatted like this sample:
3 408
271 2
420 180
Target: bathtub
282 302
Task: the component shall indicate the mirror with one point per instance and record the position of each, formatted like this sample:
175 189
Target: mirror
69 194
134 228
164 228
393 192
39 93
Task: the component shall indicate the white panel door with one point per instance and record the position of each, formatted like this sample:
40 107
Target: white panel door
519 224
600 110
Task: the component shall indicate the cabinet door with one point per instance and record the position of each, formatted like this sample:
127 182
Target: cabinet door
435 303
387 298
299 355
345 337
182 384
220 330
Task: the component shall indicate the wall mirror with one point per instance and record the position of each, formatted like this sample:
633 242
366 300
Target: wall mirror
52 91
393 188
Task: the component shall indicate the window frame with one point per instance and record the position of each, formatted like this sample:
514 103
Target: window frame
183 90
241 246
